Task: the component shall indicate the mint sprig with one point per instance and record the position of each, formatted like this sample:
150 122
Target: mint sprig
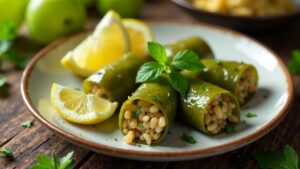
183 60
53 163
288 159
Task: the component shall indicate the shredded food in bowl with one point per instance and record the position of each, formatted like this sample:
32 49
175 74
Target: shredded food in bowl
246 7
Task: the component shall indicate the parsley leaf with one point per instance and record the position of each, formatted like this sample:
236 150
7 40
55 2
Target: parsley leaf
136 113
179 82
277 160
6 152
27 124
188 60
45 163
157 51
149 71
251 115
3 80
230 128
294 63
188 139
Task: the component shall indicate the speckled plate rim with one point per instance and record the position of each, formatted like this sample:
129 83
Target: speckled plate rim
158 156
189 6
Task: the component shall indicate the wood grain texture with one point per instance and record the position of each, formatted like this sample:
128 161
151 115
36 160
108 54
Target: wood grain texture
27 143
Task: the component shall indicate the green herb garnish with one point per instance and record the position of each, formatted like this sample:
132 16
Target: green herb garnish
183 60
8 34
136 113
220 63
188 139
6 152
27 124
3 80
251 115
116 139
288 159
45 163
230 128
294 63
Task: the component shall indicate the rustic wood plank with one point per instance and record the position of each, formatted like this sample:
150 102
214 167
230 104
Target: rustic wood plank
98 161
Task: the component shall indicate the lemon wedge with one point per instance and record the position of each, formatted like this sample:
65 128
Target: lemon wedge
78 107
139 34
108 43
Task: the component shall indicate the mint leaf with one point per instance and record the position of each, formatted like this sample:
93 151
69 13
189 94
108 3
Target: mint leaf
66 161
251 115
27 124
44 162
3 80
188 60
188 139
158 52
277 160
179 82
230 128
6 152
294 63
149 71
291 157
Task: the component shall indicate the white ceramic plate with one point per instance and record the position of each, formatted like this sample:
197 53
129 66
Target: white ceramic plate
271 102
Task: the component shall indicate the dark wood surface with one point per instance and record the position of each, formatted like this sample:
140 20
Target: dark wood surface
27 143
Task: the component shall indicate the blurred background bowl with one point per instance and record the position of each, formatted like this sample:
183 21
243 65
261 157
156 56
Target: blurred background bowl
241 23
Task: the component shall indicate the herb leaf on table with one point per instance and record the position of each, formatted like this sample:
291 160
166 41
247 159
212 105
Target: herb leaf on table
288 159
43 162
6 152
183 60
294 63
188 139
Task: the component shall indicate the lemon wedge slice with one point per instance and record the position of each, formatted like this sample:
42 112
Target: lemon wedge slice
108 43
139 34
78 107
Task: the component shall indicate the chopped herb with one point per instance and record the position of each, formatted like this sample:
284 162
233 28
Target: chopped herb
116 139
139 145
3 80
188 139
251 115
183 60
136 113
288 159
294 63
6 152
230 128
44 162
27 124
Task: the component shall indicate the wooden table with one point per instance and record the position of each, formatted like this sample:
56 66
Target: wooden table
27 143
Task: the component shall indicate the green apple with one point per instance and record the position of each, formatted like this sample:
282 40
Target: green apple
48 20
126 8
13 11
